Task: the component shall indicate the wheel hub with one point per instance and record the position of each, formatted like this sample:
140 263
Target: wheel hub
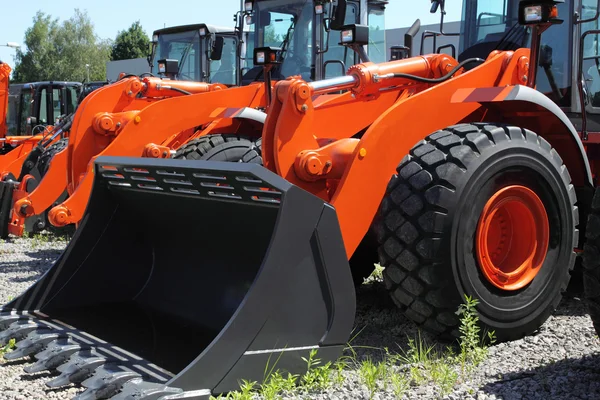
512 237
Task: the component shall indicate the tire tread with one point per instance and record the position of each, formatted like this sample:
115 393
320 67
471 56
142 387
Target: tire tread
424 189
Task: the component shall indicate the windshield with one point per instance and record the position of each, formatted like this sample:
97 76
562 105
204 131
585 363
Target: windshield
287 24
489 21
184 47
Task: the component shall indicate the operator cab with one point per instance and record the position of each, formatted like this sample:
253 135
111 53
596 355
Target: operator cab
491 25
303 30
204 53
567 51
35 105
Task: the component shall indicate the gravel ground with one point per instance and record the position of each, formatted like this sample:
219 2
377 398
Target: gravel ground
561 361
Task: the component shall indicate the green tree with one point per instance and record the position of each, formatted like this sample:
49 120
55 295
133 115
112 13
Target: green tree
61 51
271 38
131 43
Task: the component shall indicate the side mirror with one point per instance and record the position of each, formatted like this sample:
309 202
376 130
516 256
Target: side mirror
168 67
217 48
338 16
435 5
264 18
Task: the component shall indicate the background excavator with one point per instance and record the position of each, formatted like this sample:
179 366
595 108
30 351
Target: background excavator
473 181
127 134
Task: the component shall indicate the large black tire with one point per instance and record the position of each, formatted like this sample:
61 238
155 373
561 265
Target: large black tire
254 153
49 153
219 147
427 222
591 262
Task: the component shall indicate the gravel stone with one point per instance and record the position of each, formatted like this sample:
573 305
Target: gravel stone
560 361
22 262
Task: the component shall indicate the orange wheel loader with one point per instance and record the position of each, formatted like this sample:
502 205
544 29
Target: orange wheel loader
474 181
25 161
147 132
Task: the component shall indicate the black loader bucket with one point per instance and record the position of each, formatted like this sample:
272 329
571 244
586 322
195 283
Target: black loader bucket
185 277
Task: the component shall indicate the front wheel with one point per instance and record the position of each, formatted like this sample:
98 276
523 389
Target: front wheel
481 210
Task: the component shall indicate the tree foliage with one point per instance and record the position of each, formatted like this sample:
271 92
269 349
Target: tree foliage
271 38
131 43
61 51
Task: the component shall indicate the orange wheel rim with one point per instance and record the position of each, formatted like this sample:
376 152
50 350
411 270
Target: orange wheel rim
512 237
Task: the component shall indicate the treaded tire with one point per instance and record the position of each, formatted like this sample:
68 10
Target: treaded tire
254 153
218 147
49 153
428 218
591 262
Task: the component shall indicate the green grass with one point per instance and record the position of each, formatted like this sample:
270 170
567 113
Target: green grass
5 349
38 240
423 364
376 275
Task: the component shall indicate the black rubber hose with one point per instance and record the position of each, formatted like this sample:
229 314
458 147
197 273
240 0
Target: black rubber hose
177 90
442 78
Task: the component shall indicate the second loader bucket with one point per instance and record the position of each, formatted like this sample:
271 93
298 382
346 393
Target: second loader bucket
185 277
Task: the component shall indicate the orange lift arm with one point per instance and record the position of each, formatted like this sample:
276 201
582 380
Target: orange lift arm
361 168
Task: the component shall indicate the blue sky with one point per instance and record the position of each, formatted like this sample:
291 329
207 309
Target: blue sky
110 16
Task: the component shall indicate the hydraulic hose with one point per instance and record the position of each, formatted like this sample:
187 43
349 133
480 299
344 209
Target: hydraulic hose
435 80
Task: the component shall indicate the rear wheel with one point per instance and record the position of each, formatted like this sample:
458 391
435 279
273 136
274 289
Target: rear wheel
481 210
591 262
219 147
